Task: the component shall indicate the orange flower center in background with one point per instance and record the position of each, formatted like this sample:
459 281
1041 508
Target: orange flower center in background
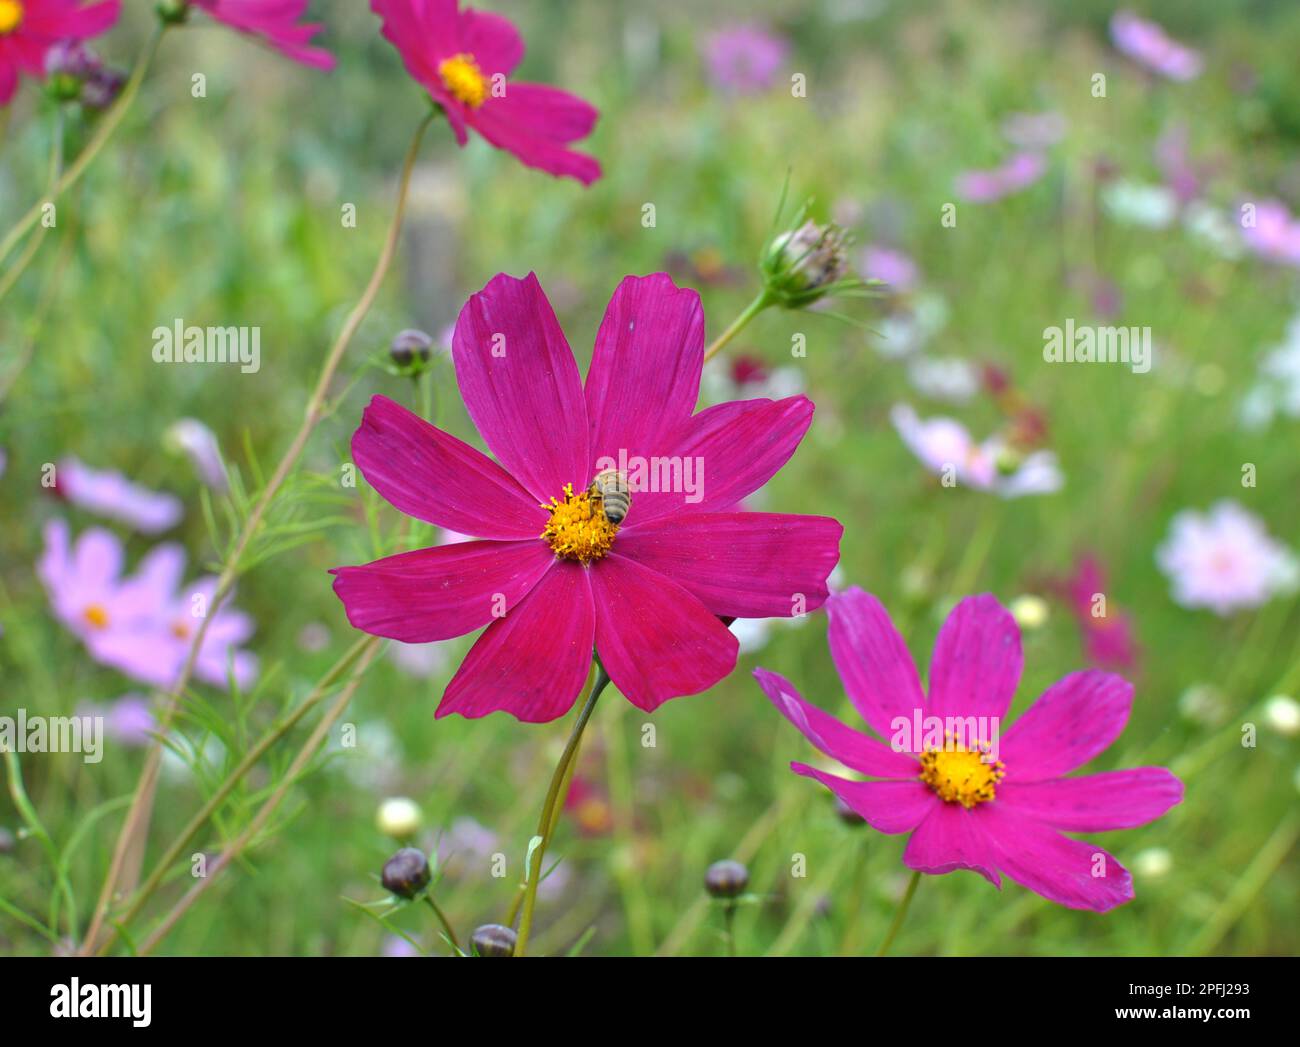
959 775
96 614
462 77
11 16
180 630
578 529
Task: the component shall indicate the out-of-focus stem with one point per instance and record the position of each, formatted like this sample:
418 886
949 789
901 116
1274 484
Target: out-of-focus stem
442 919
903 906
738 324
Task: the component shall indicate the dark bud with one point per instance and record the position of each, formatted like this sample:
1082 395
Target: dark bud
102 88
847 814
493 940
68 64
726 879
173 12
406 873
409 346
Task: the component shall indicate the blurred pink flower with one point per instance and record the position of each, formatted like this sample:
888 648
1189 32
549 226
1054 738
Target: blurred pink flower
276 22
895 268
29 28
1225 560
128 720
199 443
1275 234
1021 171
1147 43
112 495
1107 638
745 59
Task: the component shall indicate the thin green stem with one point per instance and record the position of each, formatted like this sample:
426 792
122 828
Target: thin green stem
554 803
729 926
903 906
34 244
761 302
442 919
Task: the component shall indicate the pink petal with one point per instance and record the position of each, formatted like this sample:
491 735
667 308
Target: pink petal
857 751
741 565
1096 802
872 660
655 639
534 662
535 122
1071 722
68 22
888 807
977 660
444 591
1069 872
521 386
950 838
434 477
644 377
493 40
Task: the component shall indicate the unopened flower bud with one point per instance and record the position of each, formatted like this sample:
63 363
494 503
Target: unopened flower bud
399 817
102 88
1029 611
406 873
68 64
173 12
805 264
492 939
726 879
408 346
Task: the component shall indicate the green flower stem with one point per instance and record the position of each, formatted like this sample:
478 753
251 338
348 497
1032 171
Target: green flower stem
761 302
898 916
102 134
34 244
554 804
442 919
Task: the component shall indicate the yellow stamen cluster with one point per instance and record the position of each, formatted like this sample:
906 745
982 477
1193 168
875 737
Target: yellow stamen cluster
463 78
11 16
577 529
960 775
96 616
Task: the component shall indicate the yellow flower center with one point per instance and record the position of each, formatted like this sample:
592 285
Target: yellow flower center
96 614
463 78
960 775
11 16
578 529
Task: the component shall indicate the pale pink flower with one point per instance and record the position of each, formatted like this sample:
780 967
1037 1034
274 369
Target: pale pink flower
1148 44
1020 172
112 495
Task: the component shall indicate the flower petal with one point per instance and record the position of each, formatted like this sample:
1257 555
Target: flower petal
888 807
855 750
655 639
534 122
977 660
644 377
521 387
1069 872
872 660
440 592
434 477
1071 722
950 838
493 40
533 662
741 565
1096 802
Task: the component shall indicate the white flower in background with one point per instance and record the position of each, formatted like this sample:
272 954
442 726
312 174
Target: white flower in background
947 378
1140 204
752 633
1225 560
420 660
908 331
1282 713
1153 863
1030 612
399 817
1278 389
1214 228
1203 703
947 449
374 759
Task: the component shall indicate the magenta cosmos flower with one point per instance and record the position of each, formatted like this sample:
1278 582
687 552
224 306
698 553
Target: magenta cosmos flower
551 577
29 28
276 22
971 799
463 59
745 59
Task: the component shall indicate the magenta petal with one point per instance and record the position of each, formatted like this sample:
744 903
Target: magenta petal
434 477
534 662
493 40
1071 722
741 565
535 122
644 377
655 639
873 661
521 386
977 660
888 807
950 838
444 591
857 751
1096 802
1069 872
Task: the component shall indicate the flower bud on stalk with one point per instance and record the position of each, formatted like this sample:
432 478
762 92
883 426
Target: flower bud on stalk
806 264
410 351
102 88
492 939
726 879
68 65
406 873
173 12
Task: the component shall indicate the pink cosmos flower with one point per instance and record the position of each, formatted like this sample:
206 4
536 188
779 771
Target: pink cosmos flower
1107 637
1020 172
995 802
1147 43
112 495
129 720
463 59
1274 234
140 624
551 577
946 448
745 59
276 22
29 28
1224 560
895 268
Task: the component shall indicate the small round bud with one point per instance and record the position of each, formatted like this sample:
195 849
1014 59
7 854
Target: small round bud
408 346
406 873
726 879
1029 611
399 817
1282 713
492 939
70 58
102 88
804 264
173 12
847 814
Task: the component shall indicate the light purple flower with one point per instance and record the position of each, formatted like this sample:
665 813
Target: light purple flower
113 496
1148 44
129 720
892 267
1275 234
199 444
745 59
1020 172
1225 560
